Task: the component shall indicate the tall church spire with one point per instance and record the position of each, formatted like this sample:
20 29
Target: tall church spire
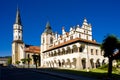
17 28
18 18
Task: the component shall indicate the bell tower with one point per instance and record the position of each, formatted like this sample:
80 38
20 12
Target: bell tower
17 44
17 28
46 40
47 37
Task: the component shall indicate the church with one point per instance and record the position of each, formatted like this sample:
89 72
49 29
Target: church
75 49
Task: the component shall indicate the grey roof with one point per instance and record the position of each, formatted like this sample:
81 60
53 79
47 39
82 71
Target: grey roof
18 18
48 28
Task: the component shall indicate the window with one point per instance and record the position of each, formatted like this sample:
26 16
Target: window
75 49
96 52
101 52
64 40
43 40
68 50
51 40
91 51
63 51
71 37
59 52
87 37
81 47
79 36
19 37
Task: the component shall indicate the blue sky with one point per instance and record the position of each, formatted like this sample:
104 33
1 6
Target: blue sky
104 15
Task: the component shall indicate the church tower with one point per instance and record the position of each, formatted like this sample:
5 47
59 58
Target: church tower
17 45
46 40
17 28
47 37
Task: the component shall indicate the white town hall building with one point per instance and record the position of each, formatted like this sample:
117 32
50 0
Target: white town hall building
75 49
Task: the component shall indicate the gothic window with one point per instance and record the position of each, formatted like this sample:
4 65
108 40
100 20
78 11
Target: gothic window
51 40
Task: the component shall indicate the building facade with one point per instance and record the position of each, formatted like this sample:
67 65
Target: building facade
74 49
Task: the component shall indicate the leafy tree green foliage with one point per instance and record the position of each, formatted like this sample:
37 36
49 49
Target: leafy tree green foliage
17 62
9 60
110 45
24 60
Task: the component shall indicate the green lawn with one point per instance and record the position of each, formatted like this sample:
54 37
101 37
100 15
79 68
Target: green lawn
98 73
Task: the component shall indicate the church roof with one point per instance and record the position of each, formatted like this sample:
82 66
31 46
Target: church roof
72 41
48 28
32 49
18 18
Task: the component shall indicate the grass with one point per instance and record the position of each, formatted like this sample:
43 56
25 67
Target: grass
98 73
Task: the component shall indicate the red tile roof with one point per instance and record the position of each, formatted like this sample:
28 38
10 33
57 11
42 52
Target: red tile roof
72 41
32 49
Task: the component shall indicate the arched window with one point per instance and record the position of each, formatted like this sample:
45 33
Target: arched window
63 51
55 54
68 50
75 49
58 51
81 47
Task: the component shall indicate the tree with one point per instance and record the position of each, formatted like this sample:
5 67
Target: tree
28 60
9 60
35 58
109 45
23 61
17 62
